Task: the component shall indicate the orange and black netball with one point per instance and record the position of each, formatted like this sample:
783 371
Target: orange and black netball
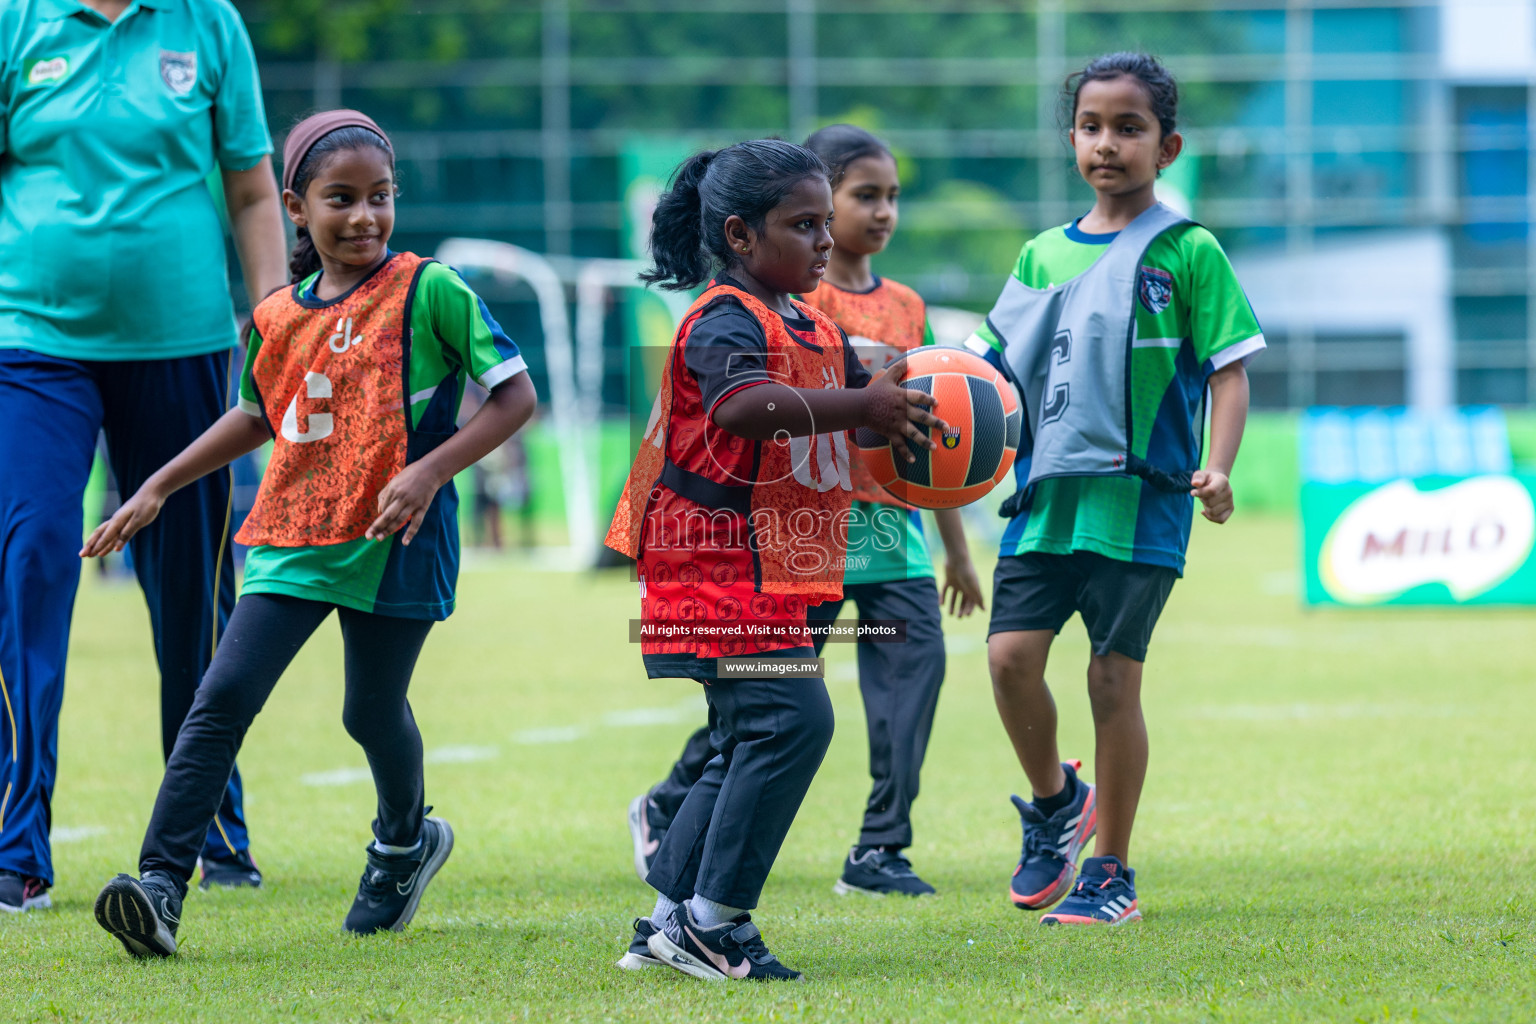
985 420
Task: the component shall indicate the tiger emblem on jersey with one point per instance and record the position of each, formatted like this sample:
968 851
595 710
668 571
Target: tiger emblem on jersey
1154 288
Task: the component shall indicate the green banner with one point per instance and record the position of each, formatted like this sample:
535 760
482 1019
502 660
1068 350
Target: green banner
645 166
1426 541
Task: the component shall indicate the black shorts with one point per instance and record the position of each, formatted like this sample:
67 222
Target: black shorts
1120 601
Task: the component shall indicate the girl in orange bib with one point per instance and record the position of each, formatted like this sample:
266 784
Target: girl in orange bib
888 572
736 513
887 581
355 373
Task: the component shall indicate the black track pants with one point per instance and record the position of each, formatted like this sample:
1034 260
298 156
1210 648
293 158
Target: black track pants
900 684
769 738
264 634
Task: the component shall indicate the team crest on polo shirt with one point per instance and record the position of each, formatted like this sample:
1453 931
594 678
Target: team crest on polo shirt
48 71
1155 289
178 71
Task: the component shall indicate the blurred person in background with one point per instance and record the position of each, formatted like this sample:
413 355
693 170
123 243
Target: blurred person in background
501 484
115 315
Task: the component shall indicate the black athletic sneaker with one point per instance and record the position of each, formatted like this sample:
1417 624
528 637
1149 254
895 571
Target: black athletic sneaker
142 912
731 951
392 884
645 836
877 871
639 957
234 872
20 892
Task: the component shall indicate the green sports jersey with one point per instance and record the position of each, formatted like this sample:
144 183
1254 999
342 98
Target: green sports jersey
1192 319
453 336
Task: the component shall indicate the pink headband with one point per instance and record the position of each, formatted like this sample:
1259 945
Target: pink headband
312 129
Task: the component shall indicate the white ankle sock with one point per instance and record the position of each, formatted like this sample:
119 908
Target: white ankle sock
663 911
708 913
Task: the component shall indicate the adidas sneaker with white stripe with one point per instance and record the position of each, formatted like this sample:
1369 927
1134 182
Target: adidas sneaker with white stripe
1052 844
1105 894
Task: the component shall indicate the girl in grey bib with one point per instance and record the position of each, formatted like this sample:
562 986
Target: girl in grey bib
1115 328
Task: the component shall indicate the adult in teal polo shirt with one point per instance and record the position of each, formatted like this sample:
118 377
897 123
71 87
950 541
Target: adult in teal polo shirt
115 315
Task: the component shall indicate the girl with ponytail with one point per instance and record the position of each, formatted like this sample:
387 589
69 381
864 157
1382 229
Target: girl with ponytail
736 513
356 514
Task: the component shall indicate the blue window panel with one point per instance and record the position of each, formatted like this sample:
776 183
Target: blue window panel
1358 31
1359 103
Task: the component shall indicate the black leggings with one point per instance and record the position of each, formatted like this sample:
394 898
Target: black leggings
264 634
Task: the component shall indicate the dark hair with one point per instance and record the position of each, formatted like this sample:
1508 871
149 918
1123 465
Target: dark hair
839 145
1162 90
746 180
304 260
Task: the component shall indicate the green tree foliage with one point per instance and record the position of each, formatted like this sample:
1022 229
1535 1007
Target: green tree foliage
714 75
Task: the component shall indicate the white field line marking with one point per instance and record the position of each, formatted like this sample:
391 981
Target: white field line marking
1278 584
557 734
1326 712
440 755
77 833
337 777
963 644
689 710
459 755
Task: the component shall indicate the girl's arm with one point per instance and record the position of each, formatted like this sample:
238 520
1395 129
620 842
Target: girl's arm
405 499
962 588
1229 414
234 434
256 219
764 411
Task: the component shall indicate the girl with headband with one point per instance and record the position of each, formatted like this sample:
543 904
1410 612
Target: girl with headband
355 373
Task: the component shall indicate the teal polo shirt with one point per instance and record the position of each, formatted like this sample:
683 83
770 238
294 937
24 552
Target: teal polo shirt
111 246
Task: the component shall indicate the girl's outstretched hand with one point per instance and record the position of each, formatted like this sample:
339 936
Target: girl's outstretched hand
899 413
404 501
135 514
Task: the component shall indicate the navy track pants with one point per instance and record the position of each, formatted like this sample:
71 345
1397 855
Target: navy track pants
51 411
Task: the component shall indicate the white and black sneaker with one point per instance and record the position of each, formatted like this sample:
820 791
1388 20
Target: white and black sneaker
880 871
20 892
643 833
638 957
392 884
142 913
733 951
237 871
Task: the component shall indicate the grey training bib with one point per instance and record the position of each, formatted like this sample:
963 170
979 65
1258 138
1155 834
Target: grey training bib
1068 348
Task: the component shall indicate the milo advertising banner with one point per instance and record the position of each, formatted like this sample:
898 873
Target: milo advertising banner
1434 540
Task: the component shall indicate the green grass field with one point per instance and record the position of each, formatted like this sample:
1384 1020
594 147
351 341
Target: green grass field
1337 826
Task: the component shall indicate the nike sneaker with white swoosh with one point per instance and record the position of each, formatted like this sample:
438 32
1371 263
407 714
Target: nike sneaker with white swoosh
392 884
1052 844
879 871
142 913
643 834
1105 894
733 951
638 957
